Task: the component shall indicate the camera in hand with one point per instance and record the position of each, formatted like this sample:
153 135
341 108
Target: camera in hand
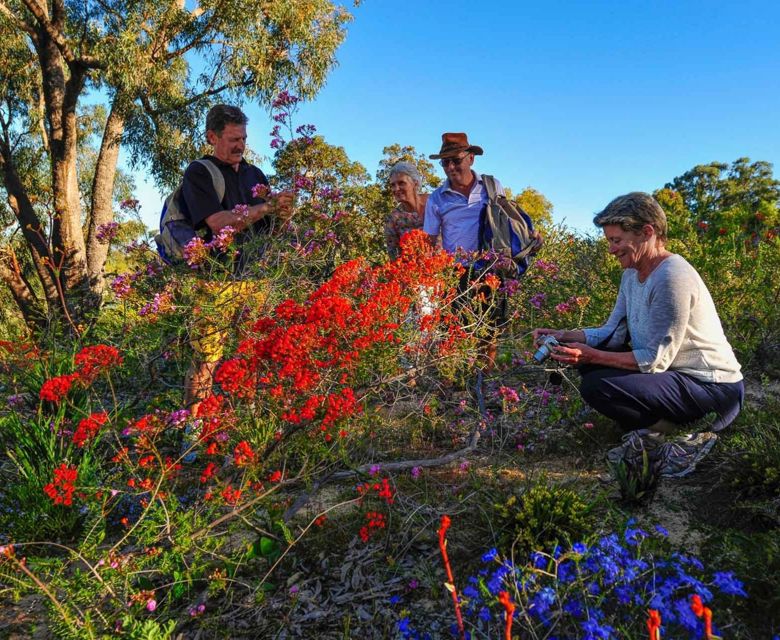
546 344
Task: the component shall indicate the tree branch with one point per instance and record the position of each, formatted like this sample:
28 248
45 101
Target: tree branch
15 20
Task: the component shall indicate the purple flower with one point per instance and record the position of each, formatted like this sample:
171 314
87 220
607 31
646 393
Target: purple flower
416 471
107 232
151 605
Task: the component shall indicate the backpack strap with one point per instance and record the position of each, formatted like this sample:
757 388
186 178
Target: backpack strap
489 182
217 179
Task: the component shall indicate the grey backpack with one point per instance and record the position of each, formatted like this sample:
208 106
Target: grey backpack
176 230
506 229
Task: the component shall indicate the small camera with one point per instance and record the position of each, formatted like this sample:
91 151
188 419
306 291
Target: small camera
546 344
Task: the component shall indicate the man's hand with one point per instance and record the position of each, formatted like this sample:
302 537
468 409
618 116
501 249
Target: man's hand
538 241
282 205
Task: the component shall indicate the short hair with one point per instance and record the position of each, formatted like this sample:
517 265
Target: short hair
632 211
223 114
408 169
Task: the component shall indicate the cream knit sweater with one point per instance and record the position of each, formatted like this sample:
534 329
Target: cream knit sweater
672 322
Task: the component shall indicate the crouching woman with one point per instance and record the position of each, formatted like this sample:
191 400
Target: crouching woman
661 360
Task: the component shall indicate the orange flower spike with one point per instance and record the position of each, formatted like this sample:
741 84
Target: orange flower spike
445 524
509 607
707 623
654 624
697 606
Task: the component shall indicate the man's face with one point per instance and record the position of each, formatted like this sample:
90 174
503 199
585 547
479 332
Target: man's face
458 169
229 145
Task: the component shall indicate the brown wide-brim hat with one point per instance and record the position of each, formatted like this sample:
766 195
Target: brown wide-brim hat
452 144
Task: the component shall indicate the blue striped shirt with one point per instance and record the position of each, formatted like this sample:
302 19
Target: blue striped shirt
456 216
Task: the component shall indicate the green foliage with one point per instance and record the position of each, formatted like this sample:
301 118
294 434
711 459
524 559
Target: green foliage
147 629
542 516
752 467
636 478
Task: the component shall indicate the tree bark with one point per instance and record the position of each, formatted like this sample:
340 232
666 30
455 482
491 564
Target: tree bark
22 292
103 195
60 96
30 226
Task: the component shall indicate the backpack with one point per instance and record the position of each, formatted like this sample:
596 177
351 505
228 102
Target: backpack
176 230
507 230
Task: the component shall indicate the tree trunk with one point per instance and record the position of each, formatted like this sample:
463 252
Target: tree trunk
22 292
30 226
61 96
103 196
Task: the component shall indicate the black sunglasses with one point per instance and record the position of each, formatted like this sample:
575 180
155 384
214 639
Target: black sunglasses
456 161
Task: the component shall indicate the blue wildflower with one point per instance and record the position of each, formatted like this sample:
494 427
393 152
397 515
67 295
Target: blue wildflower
542 601
728 583
595 631
579 547
662 531
490 556
394 600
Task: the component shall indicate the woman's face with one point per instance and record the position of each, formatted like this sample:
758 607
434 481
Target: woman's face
629 247
402 188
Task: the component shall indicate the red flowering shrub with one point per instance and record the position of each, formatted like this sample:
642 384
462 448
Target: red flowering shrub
307 358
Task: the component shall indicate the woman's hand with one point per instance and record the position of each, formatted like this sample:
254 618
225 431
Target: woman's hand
555 333
575 353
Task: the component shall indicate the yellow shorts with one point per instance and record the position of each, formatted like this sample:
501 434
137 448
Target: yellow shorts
218 309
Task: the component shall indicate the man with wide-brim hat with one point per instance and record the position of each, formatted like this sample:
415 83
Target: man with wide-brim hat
453 210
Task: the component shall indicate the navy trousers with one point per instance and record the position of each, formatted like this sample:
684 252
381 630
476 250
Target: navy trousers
638 400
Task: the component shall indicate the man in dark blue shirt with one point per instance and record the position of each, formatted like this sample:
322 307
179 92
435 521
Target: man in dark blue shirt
246 212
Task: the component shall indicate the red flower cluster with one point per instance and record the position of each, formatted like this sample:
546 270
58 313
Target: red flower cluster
231 495
64 484
376 520
243 454
55 389
88 428
94 360
383 490
90 363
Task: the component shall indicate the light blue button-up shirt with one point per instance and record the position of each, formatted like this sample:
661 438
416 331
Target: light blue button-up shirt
456 216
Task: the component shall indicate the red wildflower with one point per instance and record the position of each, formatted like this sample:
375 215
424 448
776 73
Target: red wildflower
231 495
276 476
88 428
208 472
62 488
94 360
243 454
55 389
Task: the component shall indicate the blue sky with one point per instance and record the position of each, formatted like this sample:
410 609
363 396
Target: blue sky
581 100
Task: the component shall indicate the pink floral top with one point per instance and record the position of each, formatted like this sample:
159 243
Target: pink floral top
398 222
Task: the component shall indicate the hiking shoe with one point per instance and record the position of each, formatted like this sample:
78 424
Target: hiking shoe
680 457
634 443
188 451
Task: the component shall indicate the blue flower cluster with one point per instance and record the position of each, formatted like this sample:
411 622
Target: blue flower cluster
594 591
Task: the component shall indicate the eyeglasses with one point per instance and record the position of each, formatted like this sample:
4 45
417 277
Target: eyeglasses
456 161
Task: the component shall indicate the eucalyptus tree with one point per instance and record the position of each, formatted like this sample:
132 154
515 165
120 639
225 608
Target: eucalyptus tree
157 66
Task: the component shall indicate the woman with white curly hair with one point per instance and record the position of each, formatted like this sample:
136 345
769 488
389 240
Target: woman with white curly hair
405 182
